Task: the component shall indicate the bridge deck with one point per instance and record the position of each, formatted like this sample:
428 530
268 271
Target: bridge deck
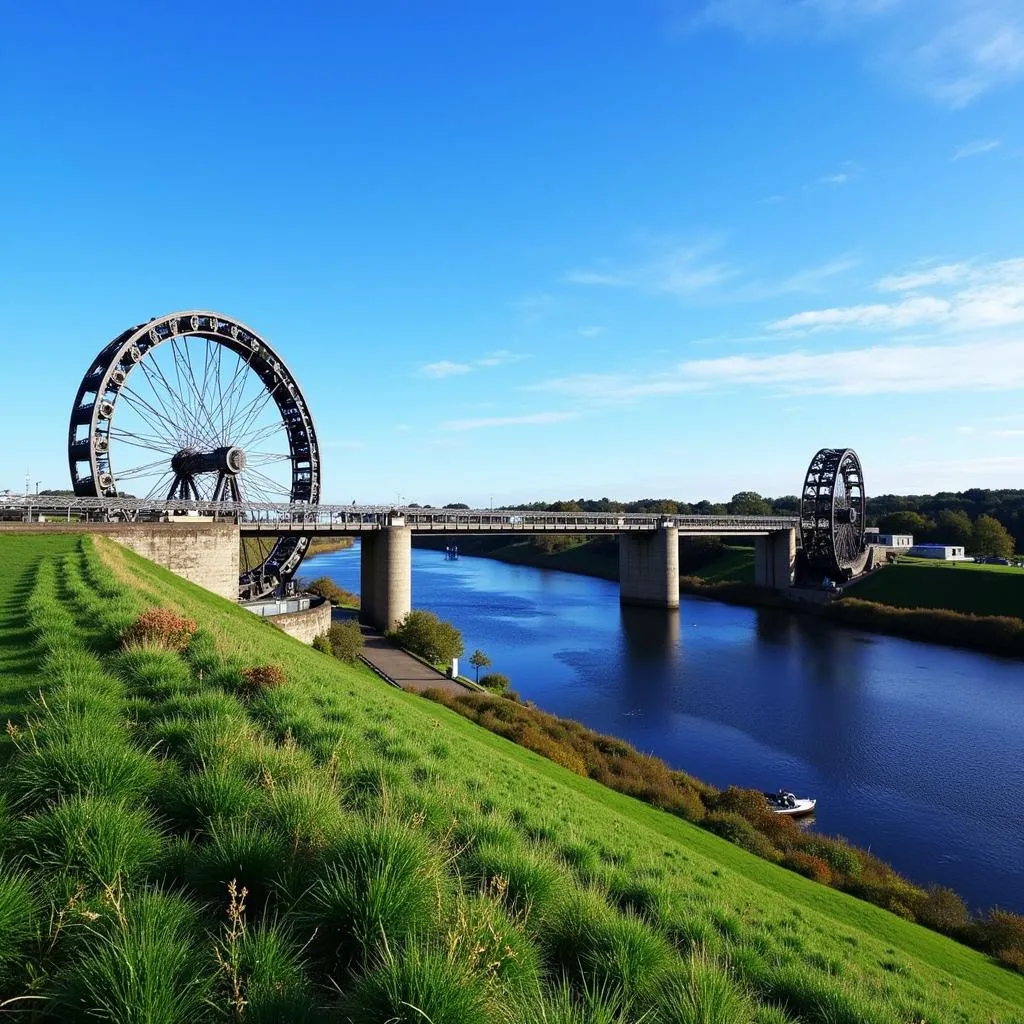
260 519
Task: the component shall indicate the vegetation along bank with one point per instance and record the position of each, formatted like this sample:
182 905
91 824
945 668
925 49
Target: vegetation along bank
219 823
930 603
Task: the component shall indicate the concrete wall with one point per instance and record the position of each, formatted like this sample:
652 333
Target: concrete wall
202 553
306 624
385 577
775 559
649 568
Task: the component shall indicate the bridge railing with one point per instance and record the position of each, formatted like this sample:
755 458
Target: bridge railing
300 517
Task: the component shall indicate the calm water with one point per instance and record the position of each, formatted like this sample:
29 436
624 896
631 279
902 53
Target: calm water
914 751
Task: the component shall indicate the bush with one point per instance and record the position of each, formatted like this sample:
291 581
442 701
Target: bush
345 640
431 638
260 678
809 866
495 681
326 588
160 627
738 830
322 643
943 910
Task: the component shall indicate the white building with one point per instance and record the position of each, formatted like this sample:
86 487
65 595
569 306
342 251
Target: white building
944 552
903 541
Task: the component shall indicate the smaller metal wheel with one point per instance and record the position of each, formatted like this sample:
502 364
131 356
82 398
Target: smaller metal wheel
832 514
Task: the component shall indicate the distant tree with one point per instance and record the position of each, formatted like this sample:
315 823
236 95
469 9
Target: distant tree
954 526
425 634
788 503
479 660
906 522
992 538
749 503
457 504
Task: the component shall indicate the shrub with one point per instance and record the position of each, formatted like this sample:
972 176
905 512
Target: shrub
625 953
240 851
379 887
160 627
943 910
345 640
260 678
1002 934
322 643
92 762
808 865
17 919
738 830
269 974
423 633
842 858
495 681
325 587
149 964
92 841
417 984
703 993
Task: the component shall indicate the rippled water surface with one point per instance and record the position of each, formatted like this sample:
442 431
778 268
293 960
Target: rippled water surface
912 750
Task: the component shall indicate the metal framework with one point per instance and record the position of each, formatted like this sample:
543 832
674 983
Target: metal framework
196 409
832 513
275 519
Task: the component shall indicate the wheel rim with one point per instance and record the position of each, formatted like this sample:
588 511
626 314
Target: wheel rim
196 406
832 510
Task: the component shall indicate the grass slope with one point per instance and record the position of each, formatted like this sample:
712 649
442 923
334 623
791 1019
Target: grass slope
400 862
959 587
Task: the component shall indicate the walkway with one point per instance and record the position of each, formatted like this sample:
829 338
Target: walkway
403 669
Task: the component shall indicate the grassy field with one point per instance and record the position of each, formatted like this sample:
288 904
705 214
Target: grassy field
960 587
176 846
734 565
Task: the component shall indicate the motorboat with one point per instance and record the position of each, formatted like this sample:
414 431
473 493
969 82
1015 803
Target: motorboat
792 806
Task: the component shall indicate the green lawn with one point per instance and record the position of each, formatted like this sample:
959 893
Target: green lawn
734 565
401 862
956 586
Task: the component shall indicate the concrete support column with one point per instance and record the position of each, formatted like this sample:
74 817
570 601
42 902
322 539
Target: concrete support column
649 568
385 577
775 559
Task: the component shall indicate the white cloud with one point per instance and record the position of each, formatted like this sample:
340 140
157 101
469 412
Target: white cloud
996 365
990 295
892 316
527 419
590 331
880 369
444 368
925 277
677 270
502 357
950 50
976 148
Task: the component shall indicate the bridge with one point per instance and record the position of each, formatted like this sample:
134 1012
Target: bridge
200 414
648 542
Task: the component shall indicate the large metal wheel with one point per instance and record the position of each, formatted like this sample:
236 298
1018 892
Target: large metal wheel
832 509
197 407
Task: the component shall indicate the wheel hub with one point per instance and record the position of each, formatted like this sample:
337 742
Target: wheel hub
229 460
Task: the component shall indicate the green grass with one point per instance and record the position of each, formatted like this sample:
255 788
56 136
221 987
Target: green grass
956 586
733 565
398 861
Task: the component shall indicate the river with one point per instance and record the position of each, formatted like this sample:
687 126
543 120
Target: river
914 751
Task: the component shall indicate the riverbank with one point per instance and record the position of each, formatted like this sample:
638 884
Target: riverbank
327 787
723 573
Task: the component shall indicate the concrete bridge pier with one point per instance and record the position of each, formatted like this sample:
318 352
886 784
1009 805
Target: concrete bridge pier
385 577
649 568
775 559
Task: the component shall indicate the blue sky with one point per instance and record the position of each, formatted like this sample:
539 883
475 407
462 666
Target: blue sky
532 250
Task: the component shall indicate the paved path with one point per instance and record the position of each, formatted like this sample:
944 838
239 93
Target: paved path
403 669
